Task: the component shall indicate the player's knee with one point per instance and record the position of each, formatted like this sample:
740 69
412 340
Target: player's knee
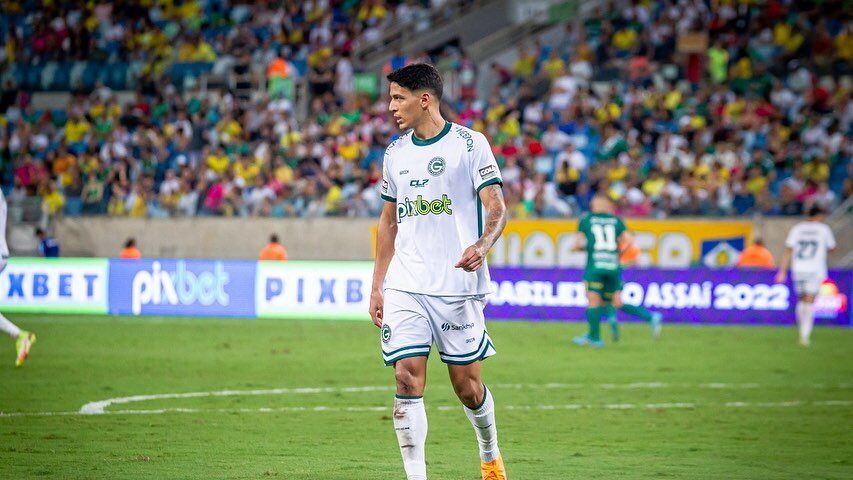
469 391
408 382
617 301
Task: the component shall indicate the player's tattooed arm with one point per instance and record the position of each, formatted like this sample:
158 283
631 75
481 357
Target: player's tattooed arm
493 201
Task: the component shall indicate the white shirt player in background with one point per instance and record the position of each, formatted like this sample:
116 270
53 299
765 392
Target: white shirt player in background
444 210
806 250
23 339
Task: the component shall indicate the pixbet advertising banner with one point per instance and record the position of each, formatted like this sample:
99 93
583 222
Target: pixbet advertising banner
182 287
49 285
324 290
684 296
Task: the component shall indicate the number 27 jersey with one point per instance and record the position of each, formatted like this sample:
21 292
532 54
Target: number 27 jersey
435 187
809 243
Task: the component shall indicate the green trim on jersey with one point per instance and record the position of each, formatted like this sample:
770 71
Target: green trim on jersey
423 143
489 182
388 199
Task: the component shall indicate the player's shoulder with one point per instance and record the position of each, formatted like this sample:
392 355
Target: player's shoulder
472 139
398 143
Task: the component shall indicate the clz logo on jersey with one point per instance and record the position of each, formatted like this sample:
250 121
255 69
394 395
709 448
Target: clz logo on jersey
419 206
419 183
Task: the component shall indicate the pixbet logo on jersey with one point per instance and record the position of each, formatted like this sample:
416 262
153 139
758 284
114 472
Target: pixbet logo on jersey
180 287
419 206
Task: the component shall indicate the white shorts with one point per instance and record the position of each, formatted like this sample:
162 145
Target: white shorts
807 283
413 321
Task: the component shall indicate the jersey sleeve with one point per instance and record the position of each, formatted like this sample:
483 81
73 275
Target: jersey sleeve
791 241
484 167
830 238
388 190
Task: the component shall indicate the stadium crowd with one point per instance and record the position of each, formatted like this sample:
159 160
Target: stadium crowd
760 121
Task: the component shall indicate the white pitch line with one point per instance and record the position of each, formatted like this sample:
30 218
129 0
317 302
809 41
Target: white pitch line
446 408
100 407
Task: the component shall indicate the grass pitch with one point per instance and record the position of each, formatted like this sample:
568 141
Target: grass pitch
311 400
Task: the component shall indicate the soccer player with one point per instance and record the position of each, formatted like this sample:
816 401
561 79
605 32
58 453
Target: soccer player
603 232
23 340
806 250
444 210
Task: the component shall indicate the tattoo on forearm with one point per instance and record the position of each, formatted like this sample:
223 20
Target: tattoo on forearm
496 216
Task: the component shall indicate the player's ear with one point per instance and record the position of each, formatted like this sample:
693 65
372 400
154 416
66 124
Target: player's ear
426 99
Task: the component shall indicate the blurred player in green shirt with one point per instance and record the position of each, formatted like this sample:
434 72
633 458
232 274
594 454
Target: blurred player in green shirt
605 236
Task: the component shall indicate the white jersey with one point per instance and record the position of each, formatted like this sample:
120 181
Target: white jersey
810 242
4 247
435 184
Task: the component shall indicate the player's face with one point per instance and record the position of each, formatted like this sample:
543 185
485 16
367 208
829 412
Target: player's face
405 105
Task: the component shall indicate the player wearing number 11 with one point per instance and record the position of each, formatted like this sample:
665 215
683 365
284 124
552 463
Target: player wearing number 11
605 235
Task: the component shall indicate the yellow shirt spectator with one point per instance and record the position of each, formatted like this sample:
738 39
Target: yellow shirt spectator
618 173
672 99
76 130
247 171
653 187
217 163
554 66
284 174
524 66
756 185
54 202
139 209
350 151
844 46
624 39
818 172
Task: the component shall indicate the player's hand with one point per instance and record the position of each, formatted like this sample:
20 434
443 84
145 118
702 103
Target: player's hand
376 305
781 277
472 258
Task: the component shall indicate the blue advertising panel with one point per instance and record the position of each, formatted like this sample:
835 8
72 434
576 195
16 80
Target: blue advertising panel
182 287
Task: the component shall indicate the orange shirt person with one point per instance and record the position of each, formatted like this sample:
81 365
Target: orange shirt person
756 256
273 251
130 252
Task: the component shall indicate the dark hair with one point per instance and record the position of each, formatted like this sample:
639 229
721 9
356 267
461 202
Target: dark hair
816 210
758 241
39 231
130 242
418 76
273 238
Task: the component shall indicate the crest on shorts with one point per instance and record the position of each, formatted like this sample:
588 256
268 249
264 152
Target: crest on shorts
386 333
436 166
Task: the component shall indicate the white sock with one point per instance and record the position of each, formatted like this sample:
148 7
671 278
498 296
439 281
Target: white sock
9 327
410 422
806 322
483 420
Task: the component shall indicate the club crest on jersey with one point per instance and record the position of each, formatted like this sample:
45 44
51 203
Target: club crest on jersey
420 206
436 166
386 333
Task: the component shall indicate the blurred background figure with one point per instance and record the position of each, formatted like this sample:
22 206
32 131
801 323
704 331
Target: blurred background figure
273 250
48 246
756 256
130 252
